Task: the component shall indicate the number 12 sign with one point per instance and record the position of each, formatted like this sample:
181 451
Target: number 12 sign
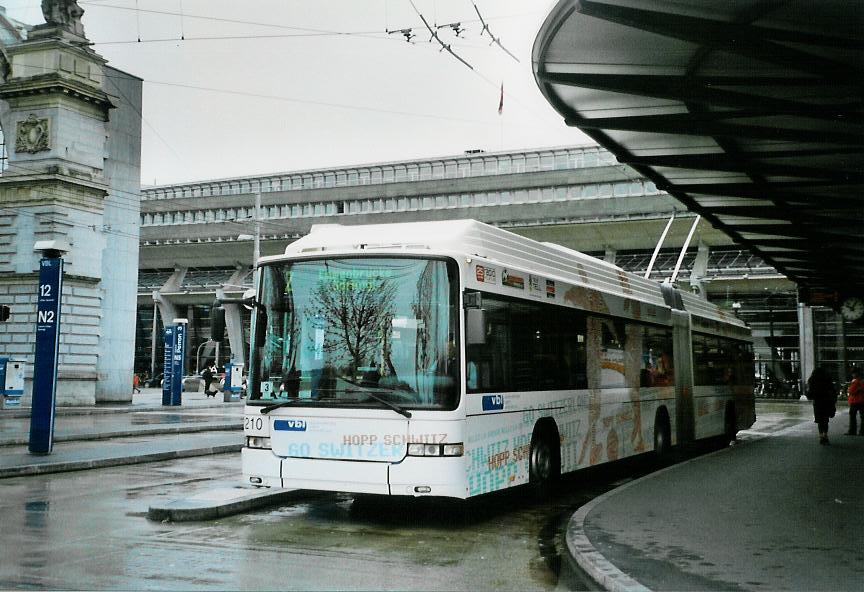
45 364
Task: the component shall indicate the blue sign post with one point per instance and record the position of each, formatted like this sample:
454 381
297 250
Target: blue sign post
167 362
45 364
178 358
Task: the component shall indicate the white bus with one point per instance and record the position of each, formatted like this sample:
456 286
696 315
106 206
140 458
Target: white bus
456 359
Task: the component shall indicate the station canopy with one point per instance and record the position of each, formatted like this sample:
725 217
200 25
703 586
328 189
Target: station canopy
748 112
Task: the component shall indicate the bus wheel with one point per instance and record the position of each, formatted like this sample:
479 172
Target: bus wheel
662 436
730 425
545 460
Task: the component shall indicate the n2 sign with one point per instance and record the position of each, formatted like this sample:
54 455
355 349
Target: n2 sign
45 363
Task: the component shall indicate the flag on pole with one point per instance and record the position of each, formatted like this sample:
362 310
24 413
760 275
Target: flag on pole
501 100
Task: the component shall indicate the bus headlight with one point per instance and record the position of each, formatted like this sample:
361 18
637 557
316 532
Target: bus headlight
436 449
257 442
453 450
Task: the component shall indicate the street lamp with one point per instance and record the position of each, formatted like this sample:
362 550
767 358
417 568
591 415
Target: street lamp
256 250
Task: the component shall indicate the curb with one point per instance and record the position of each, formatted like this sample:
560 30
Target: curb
119 408
586 554
587 557
222 502
156 431
81 465
592 561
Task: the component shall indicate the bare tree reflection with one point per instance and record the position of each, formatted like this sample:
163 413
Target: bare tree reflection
355 315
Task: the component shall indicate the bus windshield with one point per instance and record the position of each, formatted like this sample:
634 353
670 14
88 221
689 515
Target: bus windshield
358 332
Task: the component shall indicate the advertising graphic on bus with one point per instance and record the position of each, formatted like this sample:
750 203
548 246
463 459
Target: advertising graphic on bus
456 359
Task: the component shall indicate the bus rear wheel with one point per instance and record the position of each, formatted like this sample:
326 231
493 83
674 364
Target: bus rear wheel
545 463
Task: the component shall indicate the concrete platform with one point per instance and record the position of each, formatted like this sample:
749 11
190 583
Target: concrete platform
16 461
222 501
777 512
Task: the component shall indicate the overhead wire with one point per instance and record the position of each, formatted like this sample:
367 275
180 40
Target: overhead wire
135 196
236 21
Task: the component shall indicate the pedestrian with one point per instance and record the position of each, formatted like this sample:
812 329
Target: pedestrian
855 392
136 383
820 390
207 375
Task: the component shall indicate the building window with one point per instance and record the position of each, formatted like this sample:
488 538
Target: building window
519 163
560 161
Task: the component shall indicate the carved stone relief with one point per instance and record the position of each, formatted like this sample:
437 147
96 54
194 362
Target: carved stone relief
33 135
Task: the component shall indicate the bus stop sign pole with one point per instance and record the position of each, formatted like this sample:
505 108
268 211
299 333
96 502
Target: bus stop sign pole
45 363
167 364
173 363
177 361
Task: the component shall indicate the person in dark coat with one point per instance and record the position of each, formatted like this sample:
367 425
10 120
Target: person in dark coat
207 375
821 390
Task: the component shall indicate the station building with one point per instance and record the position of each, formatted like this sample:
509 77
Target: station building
198 241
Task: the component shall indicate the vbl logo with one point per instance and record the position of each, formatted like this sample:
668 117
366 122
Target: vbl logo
493 402
290 425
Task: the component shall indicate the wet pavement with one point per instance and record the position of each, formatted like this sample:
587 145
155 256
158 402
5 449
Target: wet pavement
89 530
773 512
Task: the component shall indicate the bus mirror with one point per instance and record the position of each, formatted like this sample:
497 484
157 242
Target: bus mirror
475 326
260 327
217 323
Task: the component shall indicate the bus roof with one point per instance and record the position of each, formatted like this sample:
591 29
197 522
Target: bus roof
476 239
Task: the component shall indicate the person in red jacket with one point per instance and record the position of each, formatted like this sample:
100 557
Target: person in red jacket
856 402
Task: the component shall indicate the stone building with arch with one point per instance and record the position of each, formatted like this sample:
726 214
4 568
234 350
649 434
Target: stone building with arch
72 129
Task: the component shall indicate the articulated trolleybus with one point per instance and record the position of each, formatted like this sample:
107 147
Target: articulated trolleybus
456 359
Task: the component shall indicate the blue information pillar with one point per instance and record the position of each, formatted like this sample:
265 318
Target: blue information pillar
173 363
177 362
167 362
45 363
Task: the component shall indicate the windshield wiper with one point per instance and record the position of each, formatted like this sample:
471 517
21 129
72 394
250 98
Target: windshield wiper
269 408
383 401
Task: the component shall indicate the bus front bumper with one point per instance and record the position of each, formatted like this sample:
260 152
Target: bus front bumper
413 476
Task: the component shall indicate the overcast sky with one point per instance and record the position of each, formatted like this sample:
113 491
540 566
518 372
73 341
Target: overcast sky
262 86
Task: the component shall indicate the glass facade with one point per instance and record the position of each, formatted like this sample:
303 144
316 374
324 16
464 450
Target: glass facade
546 194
